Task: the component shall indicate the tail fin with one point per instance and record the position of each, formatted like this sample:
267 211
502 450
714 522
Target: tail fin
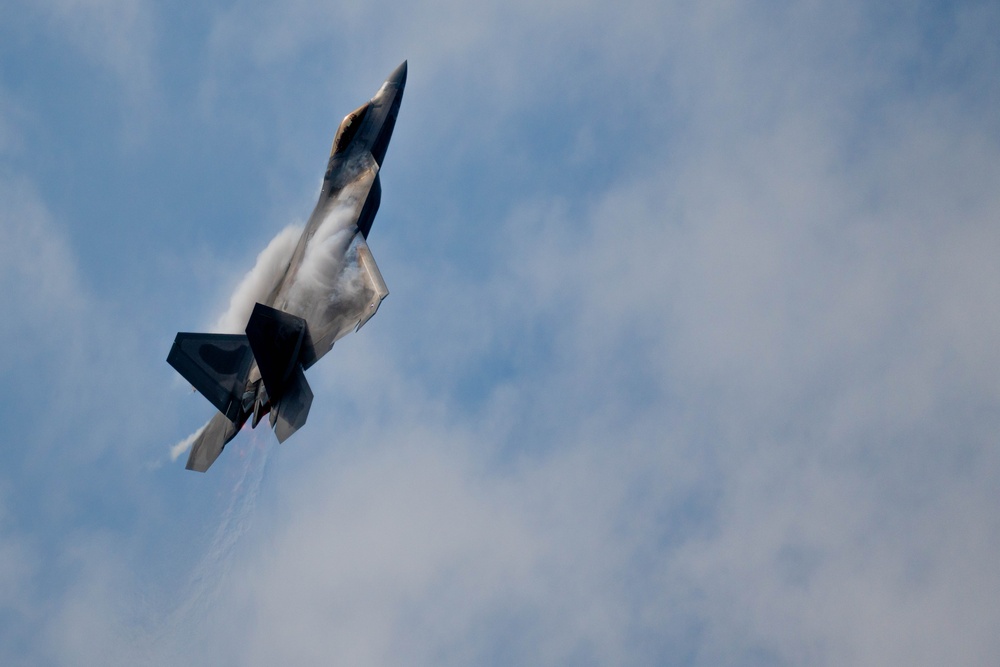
277 339
209 444
217 365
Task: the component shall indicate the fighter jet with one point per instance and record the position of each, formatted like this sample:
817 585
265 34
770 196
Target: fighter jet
330 287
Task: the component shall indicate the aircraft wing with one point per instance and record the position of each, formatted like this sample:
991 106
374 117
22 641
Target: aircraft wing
362 292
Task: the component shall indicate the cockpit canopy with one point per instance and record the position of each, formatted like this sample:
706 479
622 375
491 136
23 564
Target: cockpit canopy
348 128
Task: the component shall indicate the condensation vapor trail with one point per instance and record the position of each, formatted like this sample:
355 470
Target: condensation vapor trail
210 576
258 283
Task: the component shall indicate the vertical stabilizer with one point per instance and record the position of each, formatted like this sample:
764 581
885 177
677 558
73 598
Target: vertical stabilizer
276 339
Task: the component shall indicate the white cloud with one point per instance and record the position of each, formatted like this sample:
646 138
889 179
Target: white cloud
794 488
809 320
748 405
66 353
38 269
118 36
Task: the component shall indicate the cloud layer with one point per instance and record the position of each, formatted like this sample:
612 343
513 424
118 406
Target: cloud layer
690 356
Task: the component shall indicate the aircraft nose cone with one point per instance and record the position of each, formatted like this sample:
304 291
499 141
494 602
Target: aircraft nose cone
398 76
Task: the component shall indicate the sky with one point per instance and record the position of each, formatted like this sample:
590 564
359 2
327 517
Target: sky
691 354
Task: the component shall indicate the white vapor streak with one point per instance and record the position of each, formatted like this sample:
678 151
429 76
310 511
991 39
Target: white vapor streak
211 576
320 277
185 444
327 290
258 283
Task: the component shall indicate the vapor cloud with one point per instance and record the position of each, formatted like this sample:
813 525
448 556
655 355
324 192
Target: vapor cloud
185 444
325 275
259 281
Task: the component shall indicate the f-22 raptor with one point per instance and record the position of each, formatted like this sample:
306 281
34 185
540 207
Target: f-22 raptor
330 287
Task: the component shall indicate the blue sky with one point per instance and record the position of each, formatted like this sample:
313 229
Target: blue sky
690 358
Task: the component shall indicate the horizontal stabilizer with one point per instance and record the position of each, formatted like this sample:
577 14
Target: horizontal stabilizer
217 365
209 444
276 340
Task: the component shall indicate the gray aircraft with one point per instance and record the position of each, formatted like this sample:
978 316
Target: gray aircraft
330 287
